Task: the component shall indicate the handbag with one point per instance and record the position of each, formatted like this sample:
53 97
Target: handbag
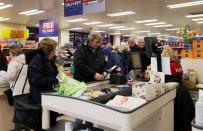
9 92
118 79
27 113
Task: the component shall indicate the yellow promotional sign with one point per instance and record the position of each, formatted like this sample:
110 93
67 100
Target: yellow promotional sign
7 33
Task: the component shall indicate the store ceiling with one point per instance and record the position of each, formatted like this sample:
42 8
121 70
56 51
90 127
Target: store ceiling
144 9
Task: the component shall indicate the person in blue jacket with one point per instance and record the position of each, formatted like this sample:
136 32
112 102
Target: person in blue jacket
112 59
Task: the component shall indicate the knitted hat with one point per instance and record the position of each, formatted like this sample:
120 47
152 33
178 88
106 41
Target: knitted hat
106 51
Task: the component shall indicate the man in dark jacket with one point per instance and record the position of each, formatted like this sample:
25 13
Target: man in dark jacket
145 61
89 60
132 44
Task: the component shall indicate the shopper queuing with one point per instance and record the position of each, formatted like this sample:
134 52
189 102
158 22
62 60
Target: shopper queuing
14 68
42 74
145 61
112 59
184 111
132 44
89 60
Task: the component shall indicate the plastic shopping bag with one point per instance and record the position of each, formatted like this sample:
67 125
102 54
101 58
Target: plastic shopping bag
70 86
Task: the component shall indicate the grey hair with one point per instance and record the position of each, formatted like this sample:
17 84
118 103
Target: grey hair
94 35
133 39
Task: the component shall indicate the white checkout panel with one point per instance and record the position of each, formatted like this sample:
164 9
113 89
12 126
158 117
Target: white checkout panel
154 115
6 111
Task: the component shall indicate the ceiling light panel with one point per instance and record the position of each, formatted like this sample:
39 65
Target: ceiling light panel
27 12
107 25
117 27
158 23
76 20
76 29
31 12
201 22
4 19
193 16
98 31
199 2
34 13
5 6
121 13
154 33
93 23
146 31
198 19
115 33
129 35
128 29
158 26
173 29
146 21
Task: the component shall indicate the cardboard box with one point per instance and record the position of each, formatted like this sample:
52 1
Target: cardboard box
186 53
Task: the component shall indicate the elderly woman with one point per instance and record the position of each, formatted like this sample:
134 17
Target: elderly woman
89 60
14 68
41 73
183 104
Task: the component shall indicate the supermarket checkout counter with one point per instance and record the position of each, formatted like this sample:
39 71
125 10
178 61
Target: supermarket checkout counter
6 111
156 114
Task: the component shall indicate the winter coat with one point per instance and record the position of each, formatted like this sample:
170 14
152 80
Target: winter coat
88 62
10 76
135 48
127 61
114 59
41 76
145 61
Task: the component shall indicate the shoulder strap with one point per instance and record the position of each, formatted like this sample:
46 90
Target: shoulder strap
17 76
24 85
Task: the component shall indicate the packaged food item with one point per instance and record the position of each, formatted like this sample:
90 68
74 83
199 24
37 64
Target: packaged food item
150 91
94 94
139 90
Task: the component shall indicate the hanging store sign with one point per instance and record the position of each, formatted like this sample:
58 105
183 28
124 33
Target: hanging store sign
7 33
48 28
79 7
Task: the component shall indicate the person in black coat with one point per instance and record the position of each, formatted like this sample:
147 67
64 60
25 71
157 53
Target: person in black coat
132 44
3 61
89 60
41 74
145 61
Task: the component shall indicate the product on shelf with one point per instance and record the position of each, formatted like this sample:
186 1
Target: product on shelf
30 44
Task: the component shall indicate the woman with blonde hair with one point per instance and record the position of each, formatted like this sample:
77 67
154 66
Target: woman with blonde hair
169 52
183 104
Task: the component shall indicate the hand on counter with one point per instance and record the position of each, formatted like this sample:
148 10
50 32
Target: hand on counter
98 77
105 74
